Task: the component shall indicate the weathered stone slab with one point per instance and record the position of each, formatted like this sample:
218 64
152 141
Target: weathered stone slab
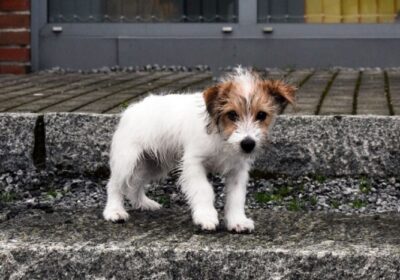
16 141
79 244
345 145
339 99
50 96
79 142
336 145
68 101
394 89
371 96
122 97
309 95
34 91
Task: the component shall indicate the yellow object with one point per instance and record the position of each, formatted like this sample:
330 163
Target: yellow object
350 11
397 9
387 10
332 11
313 11
368 11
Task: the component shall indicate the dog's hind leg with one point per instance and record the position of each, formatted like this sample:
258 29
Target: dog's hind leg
114 210
145 171
122 164
139 200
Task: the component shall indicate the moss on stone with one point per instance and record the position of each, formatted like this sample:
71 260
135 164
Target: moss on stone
365 185
7 197
358 203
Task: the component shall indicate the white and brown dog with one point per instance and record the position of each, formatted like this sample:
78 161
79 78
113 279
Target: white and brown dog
220 130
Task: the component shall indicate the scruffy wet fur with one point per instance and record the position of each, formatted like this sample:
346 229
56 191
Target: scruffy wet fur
220 130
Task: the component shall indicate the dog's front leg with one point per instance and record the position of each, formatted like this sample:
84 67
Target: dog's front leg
199 193
235 217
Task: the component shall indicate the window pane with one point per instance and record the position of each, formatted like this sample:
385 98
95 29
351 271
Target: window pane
142 10
329 11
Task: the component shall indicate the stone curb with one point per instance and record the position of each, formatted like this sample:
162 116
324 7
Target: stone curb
324 145
79 142
79 244
334 146
17 141
61 262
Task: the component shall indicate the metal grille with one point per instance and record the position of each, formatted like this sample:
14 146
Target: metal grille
328 11
85 11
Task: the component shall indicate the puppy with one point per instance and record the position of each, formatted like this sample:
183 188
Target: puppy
220 130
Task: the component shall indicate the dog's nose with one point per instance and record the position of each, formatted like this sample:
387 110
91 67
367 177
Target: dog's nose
247 144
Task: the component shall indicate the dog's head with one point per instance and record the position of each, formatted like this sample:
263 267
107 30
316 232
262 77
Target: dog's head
243 107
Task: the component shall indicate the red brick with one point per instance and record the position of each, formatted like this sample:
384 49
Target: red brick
13 69
16 21
14 5
14 38
14 54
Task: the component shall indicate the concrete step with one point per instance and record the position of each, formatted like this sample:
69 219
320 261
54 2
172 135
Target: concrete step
38 241
299 145
79 244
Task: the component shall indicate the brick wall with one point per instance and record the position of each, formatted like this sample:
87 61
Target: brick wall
14 36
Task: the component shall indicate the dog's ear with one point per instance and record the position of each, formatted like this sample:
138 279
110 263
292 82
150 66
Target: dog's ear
215 97
282 92
210 96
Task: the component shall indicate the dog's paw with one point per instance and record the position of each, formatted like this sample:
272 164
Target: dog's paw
148 204
240 224
206 219
115 214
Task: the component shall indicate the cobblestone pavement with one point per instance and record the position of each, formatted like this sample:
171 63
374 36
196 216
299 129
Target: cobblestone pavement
321 92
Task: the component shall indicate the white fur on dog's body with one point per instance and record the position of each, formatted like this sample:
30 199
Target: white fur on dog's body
163 132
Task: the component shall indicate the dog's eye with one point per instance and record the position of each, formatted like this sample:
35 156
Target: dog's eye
261 116
232 115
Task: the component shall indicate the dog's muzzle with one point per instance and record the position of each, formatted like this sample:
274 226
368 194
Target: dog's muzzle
247 145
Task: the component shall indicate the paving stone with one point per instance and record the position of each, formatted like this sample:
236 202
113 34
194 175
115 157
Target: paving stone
4 78
55 102
74 100
202 85
394 87
57 95
37 92
124 97
298 77
17 82
276 74
50 92
142 84
32 86
339 99
309 95
12 80
45 97
114 102
371 96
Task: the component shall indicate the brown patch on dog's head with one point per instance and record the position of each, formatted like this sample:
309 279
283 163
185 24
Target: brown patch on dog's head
222 102
210 96
283 93
263 107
